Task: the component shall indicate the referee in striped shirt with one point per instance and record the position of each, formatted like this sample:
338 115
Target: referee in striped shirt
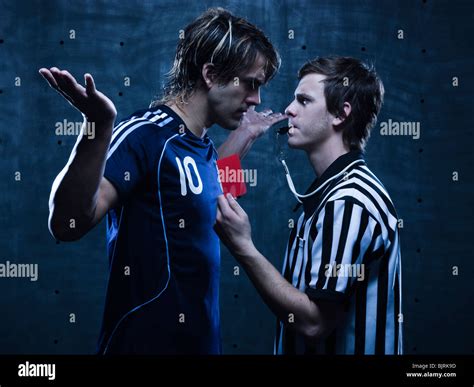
340 287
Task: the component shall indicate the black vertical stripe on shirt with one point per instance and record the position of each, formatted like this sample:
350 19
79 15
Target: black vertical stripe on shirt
370 254
309 244
313 233
287 273
326 243
360 316
382 287
396 312
301 272
346 221
364 221
299 238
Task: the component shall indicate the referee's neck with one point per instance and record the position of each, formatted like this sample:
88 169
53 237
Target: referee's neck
322 157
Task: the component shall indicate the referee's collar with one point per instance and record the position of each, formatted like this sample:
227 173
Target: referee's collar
337 166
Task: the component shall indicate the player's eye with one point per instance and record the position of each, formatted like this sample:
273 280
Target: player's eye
253 84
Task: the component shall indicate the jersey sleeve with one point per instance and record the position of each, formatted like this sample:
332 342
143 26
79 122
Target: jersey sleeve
348 240
129 159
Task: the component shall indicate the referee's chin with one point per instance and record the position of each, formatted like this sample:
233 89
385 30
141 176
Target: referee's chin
292 145
296 146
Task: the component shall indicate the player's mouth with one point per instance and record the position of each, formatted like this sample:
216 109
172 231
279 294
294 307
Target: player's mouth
240 113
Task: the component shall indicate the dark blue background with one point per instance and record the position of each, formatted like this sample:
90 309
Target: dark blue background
115 39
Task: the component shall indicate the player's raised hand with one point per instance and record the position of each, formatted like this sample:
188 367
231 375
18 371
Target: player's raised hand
88 100
259 122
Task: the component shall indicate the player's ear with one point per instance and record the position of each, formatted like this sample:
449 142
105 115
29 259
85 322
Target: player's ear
208 74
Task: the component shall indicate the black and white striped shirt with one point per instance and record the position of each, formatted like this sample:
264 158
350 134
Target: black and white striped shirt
345 249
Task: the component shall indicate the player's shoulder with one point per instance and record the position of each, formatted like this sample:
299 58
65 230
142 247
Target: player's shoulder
151 125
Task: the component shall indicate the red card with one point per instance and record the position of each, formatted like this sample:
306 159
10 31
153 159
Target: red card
231 176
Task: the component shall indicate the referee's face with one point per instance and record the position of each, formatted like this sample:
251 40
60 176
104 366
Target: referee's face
228 103
310 122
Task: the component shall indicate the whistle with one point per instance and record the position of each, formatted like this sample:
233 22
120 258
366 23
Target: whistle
283 130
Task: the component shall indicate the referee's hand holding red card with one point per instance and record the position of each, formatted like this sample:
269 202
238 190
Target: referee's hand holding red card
233 226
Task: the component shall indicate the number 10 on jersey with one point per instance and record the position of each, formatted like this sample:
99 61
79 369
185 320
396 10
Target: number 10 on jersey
185 174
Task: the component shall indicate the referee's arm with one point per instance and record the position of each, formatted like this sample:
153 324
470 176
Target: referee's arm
291 306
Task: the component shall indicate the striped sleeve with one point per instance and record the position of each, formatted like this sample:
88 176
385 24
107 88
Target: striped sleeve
348 239
129 159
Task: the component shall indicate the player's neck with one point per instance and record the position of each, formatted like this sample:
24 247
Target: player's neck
323 156
193 112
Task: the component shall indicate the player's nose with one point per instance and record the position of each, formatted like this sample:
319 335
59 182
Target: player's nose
253 98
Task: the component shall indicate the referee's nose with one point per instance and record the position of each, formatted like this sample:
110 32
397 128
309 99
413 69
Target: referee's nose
289 111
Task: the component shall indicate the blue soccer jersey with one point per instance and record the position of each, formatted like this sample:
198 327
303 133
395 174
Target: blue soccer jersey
163 287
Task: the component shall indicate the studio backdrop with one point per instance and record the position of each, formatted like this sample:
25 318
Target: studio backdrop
423 53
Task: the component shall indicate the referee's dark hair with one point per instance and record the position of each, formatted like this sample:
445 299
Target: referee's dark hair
230 43
349 80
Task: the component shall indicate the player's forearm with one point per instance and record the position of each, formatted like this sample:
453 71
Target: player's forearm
74 193
291 306
238 142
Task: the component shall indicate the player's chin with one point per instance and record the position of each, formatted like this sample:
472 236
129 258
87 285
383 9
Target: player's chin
230 124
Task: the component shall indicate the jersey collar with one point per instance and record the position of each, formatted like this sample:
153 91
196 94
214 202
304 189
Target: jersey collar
204 139
336 167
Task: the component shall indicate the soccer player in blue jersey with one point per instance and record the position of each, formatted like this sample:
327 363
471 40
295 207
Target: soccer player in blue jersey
155 177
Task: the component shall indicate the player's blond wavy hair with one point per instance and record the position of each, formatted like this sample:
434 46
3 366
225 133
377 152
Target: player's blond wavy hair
230 43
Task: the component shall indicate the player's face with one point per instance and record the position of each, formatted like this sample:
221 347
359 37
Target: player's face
310 122
228 103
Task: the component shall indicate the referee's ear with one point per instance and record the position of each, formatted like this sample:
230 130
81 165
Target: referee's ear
339 119
208 75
